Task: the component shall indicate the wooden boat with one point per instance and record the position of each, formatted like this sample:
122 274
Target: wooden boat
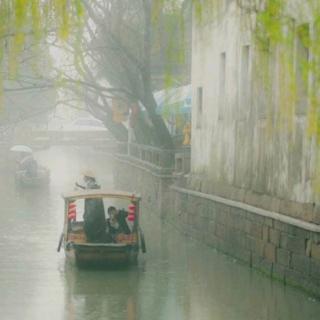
123 250
42 178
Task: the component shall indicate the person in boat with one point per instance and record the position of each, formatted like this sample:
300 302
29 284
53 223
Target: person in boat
29 165
94 215
117 223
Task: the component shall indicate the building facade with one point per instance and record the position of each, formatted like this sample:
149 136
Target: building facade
251 108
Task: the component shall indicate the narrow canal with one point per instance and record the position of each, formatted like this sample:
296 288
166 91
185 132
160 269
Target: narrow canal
178 278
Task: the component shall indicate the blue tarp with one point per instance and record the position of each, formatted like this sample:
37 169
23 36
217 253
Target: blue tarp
174 101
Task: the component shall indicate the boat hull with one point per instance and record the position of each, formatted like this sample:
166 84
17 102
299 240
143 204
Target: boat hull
41 179
101 255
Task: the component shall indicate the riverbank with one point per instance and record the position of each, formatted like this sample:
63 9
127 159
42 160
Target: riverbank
282 247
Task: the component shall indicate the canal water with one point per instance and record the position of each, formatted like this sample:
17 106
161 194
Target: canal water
178 278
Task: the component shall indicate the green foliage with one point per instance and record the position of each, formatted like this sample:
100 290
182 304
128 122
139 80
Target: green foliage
270 23
26 22
277 27
205 10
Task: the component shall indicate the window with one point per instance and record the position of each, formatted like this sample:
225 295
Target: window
263 81
226 3
222 82
244 100
302 67
199 106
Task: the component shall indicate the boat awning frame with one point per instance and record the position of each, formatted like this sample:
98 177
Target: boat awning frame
100 193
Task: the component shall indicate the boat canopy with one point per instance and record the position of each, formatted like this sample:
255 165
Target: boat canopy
100 193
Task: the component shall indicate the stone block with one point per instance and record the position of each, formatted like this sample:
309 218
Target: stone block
282 226
220 217
316 214
252 198
238 222
266 202
283 257
270 252
211 227
269 222
301 263
278 272
224 208
296 245
243 255
255 218
285 207
284 240
295 209
211 240
275 205
204 225
315 237
315 251
255 245
302 233
265 233
308 248
308 212
253 229
220 231
275 237
243 242
239 195
315 269
262 264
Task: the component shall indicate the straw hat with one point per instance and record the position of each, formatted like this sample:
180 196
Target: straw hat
88 173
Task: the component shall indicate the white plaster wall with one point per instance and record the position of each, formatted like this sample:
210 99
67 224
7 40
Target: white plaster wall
238 148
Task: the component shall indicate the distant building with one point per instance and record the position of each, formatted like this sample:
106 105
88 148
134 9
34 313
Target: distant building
28 95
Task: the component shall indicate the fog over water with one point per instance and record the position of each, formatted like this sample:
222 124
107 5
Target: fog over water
177 279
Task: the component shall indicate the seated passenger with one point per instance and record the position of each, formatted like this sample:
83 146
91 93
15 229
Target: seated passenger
117 221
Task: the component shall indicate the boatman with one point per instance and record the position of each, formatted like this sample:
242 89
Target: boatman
29 165
94 214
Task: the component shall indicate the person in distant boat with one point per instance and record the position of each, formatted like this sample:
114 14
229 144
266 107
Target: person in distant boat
94 214
29 165
117 223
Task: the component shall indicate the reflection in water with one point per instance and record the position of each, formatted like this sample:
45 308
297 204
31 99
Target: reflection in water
177 279
101 294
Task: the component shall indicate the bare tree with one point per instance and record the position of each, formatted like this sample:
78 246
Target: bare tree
121 55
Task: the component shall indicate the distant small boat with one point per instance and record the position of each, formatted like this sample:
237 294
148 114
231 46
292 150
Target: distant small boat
42 178
124 250
21 148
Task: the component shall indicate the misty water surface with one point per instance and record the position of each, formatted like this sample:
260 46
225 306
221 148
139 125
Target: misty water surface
177 279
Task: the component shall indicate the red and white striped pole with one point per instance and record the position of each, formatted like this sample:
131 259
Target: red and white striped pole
72 211
131 212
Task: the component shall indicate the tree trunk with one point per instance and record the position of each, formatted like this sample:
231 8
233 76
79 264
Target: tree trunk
118 130
163 137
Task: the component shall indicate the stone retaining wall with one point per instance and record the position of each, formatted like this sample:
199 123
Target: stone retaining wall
135 176
282 247
283 251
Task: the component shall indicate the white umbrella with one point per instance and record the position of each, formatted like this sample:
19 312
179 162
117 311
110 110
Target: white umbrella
21 148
